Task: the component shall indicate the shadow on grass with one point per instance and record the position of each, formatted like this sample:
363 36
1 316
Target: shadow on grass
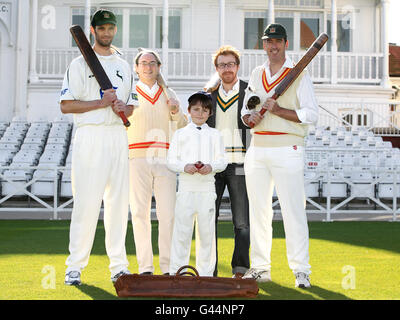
285 293
278 293
96 293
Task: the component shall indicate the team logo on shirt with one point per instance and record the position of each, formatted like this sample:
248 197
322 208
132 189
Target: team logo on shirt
134 96
119 76
64 91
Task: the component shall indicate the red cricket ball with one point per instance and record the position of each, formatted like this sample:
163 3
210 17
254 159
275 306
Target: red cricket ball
199 164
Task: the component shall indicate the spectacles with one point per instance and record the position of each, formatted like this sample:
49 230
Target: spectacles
145 64
228 65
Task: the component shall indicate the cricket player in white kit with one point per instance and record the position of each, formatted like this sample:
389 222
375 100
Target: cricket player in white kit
153 123
195 200
276 158
100 152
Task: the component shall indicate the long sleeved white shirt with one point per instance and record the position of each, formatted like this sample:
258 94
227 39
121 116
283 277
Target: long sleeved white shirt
190 145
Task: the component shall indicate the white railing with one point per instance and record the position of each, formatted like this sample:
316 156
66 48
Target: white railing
380 116
197 65
316 180
359 67
52 63
49 201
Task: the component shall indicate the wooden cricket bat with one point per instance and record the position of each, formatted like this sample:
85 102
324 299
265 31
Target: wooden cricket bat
300 66
163 84
94 63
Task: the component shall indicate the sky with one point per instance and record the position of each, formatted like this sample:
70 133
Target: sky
394 21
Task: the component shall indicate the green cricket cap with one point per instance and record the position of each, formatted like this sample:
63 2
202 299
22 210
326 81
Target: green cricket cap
102 17
274 31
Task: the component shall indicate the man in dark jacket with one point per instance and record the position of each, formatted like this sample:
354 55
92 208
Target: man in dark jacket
227 104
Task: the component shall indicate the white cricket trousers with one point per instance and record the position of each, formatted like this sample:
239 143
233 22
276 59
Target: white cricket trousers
148 175
99 172
200 207
282 167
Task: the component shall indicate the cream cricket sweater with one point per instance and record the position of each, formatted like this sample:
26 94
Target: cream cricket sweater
295 132
226 123
152 125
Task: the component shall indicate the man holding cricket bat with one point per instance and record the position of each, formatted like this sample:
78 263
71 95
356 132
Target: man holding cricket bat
275 158
153 124
100 153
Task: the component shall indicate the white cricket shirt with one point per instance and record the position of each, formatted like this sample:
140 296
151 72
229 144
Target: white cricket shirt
190 145
80 84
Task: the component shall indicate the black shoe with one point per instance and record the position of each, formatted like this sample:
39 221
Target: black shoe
148 273
166 274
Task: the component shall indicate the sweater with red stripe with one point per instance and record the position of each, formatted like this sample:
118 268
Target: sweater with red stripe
274 131
152 124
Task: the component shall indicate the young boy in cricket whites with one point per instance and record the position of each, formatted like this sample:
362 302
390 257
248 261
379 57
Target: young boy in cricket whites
196 152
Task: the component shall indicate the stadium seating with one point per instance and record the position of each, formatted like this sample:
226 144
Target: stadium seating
53 156
339 163
356 163
24 145
65 189
46 177
19 179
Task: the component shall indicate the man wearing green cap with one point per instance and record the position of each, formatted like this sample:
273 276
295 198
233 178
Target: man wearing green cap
99 168
276 158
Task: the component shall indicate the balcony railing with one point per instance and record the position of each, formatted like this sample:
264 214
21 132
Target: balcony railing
380 116
189 65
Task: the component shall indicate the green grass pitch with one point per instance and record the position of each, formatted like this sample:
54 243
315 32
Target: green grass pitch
350 260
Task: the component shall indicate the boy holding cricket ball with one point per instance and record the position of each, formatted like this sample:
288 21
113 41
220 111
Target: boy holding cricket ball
196 152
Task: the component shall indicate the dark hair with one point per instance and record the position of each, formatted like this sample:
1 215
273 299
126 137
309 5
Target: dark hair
284 39
204 100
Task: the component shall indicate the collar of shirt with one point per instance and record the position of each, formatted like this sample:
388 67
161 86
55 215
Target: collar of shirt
287 64
194 126
109 57
235 88
150 91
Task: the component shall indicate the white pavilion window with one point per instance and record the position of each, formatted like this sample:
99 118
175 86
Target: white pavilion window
78 18
174 28
309 29
139 27
299 3
343 34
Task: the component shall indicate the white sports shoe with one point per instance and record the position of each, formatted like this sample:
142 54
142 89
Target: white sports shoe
302 280
115 277
258 275
73 278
